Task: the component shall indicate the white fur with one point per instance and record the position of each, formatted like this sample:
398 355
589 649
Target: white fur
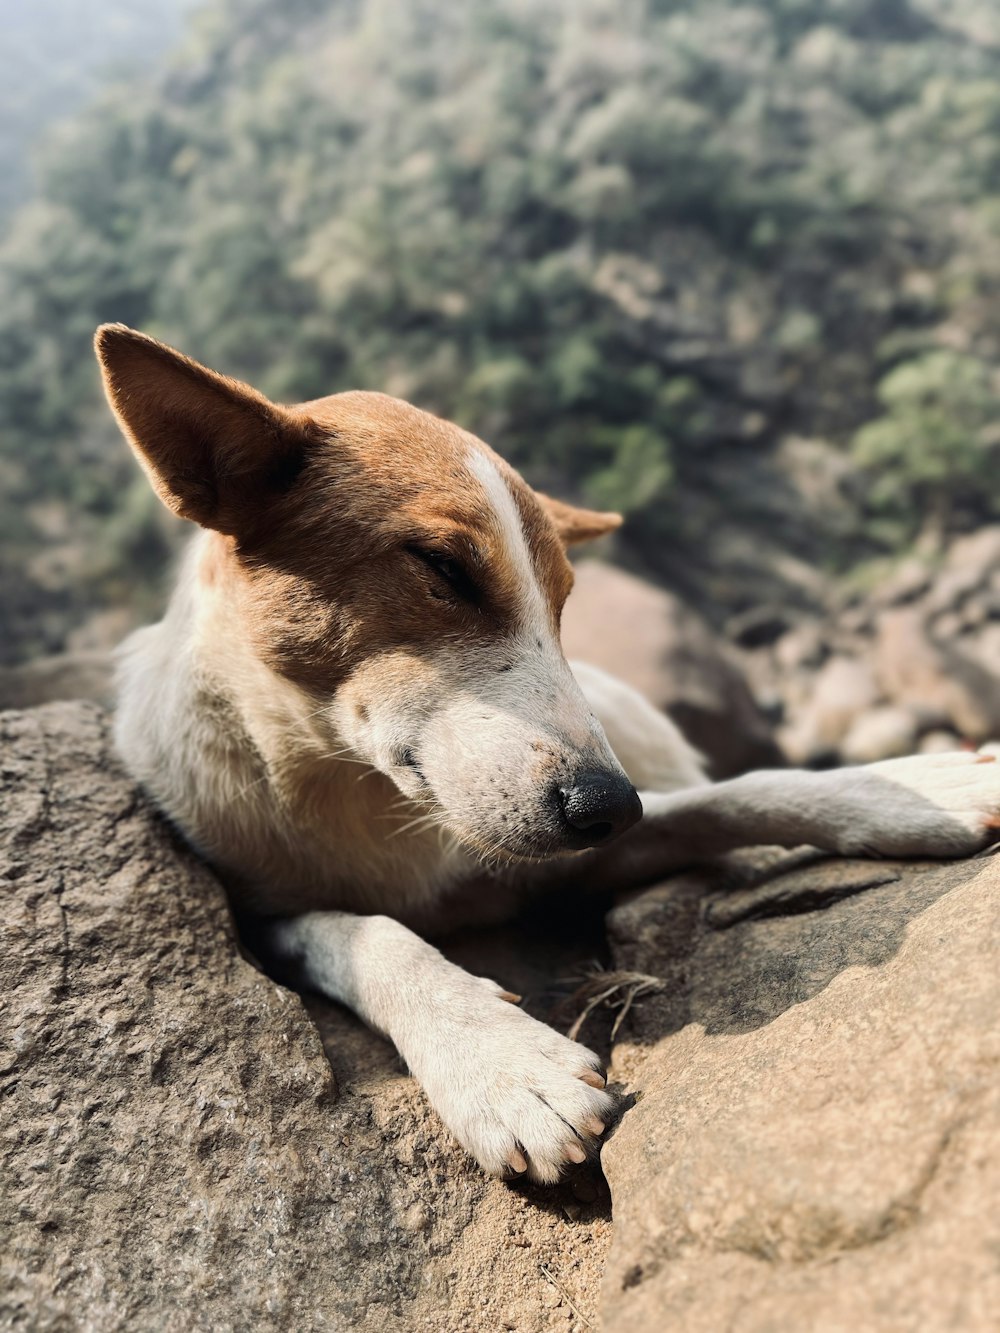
501 1081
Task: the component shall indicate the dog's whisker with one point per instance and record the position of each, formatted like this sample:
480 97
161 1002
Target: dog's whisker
407 807
406 801
343 757
423 821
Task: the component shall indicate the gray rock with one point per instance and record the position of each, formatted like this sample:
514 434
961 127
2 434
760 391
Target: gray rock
805 646
813 1139
176 1150
939 742
934 676
908 581
970 564
841 691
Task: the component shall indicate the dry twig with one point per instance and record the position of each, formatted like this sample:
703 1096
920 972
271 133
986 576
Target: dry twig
547 1273
615 990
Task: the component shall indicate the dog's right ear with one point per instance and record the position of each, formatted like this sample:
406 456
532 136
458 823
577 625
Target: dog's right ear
212 447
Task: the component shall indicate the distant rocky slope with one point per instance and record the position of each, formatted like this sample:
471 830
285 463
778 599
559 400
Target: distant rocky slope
811 1117
913 663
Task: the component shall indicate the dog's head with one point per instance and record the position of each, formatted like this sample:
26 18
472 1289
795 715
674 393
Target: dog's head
406 578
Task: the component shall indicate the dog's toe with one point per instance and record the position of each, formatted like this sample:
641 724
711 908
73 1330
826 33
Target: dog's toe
520 1097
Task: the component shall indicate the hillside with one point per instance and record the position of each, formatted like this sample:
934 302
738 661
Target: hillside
729 267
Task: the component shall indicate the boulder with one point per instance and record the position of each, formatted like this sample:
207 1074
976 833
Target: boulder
177 1149
842 691
817 1140
810 1137
885 732
659 645
970 564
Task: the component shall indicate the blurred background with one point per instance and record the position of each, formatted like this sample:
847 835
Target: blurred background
731 268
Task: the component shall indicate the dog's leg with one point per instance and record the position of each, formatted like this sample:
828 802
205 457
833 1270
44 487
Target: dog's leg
927 805
515 1093
938 805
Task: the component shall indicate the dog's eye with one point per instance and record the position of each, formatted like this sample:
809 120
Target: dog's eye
449 571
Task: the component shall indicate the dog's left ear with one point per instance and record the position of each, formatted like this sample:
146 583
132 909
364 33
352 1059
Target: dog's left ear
578 525
215 450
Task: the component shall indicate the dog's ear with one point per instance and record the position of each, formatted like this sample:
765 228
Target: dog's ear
213 448
578 525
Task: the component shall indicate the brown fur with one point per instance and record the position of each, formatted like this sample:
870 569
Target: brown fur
317 504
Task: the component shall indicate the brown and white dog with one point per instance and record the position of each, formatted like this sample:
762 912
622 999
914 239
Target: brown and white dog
375 594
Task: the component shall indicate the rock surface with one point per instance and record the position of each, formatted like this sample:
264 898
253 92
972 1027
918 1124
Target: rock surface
817 1145
77 675
813 1139
176 1152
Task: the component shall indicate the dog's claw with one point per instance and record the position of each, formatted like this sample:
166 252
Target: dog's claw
510 997
517 1162
574 1153
596 1078
596 1126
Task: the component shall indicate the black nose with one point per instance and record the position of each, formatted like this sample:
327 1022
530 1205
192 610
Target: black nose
596 807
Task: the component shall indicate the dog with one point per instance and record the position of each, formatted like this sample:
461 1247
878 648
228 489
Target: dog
357 709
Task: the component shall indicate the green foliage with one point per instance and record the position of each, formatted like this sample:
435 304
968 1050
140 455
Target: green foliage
633 244
936 449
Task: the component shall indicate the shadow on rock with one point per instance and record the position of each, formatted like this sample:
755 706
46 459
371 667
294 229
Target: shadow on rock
737 944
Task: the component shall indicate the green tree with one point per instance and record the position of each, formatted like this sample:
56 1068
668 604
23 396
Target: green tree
934 454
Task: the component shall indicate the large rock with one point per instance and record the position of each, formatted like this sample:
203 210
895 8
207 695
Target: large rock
811 1067
175 1152
817 1143
660 646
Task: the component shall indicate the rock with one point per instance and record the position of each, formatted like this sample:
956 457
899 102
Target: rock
102 631
984 648
842 690
176 1150
758 627
657 644
947 626
79 675
931 631
805 646
939 742
813 1139
816 1141
885 732
971 562
908 581
945 684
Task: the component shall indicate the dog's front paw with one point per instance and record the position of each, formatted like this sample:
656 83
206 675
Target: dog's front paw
517 1095
933 804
